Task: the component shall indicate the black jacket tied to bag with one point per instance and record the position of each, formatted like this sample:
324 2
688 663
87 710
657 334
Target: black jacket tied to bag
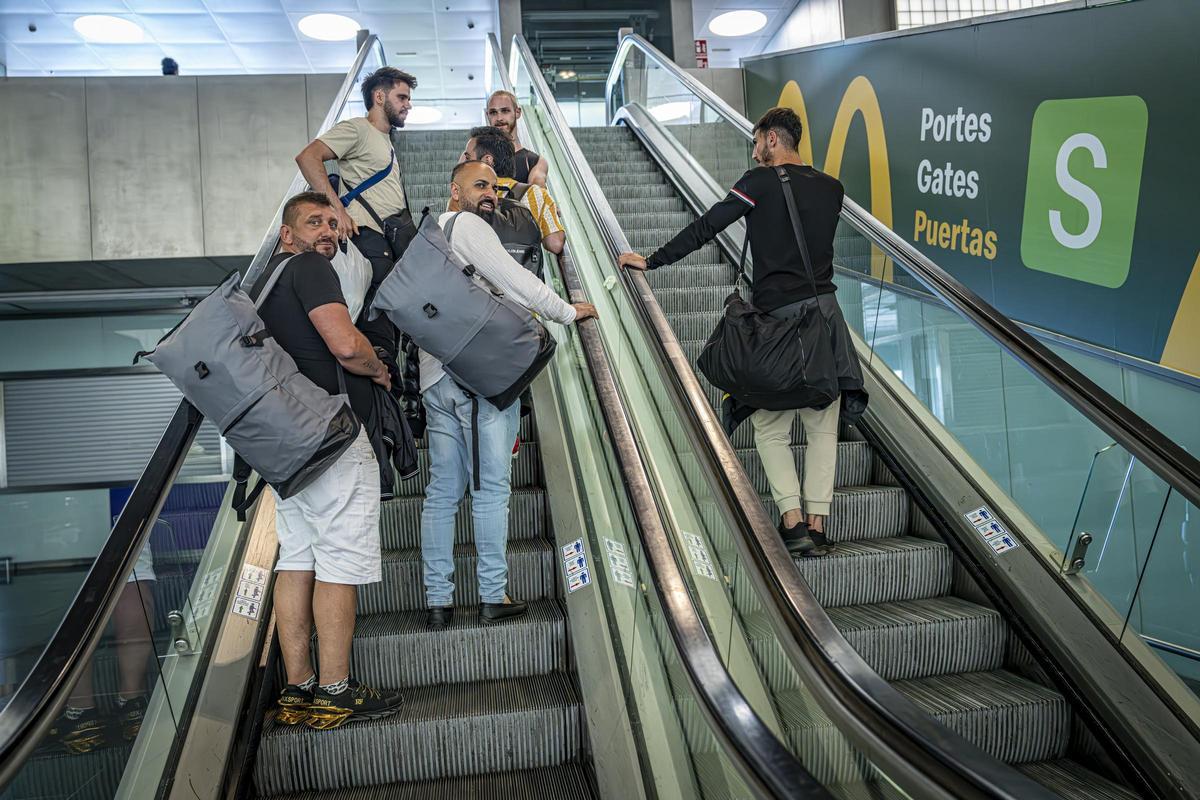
797 356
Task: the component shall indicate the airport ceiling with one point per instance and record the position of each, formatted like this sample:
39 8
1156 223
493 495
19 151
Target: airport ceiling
439 40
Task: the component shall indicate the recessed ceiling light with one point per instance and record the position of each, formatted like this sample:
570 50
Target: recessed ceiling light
738 23
666 112
328 27
108 30
423 115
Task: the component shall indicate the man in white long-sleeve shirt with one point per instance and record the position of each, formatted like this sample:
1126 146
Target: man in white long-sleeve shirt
473 185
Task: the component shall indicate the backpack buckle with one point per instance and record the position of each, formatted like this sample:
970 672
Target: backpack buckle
430 310
201 369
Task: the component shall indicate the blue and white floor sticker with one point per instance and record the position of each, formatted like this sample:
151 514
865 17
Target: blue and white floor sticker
995 534
702 564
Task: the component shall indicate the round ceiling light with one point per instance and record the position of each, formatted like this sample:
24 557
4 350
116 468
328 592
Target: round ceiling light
738 23
423 115
328 27
108 30
666 112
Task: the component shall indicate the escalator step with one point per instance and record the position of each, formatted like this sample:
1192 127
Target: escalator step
565 782
696 298
531 575
683 277
1072 781
614 181
463 652
646 205
878 571
1009 717
641 189
526 470
920 638
400 519
442 732
671 220
854 461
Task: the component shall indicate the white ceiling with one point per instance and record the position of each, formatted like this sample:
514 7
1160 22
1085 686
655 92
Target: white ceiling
429 38
724 51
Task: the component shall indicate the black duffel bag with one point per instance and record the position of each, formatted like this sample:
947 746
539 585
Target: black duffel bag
769 363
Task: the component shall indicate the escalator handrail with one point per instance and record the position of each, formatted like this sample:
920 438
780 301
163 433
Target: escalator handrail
810 636
1178 468
760 758
27 717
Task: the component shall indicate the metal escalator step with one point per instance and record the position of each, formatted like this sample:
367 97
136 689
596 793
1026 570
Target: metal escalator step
853 464
615 180
694 298
531 575
688 276
634 191
878 571
676 220
861 513
442 732
526 470
1009 717
398 651
694 324
564 782
77 776
400 519
1073 781
919 638
616 161
646 205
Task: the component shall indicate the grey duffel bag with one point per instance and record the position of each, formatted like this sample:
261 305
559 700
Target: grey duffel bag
225 362
488 344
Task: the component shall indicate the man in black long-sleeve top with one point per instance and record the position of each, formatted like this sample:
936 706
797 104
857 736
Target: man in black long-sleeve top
783 288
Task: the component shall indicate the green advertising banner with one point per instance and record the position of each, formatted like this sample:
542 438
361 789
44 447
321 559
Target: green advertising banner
1050 162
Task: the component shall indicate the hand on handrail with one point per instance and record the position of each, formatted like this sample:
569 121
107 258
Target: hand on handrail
632 261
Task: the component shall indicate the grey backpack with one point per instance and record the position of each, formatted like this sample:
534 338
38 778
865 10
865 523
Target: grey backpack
226 363
490 345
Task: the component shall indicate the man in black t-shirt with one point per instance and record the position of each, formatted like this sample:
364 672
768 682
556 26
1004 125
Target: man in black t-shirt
503 111
783 287
329 531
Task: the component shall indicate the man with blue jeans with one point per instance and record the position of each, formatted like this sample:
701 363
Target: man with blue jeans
454 426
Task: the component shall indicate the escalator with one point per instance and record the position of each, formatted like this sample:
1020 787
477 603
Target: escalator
697 659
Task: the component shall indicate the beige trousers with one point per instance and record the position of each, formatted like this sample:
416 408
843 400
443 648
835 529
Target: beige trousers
773 438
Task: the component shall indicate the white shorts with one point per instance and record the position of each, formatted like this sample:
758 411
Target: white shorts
332 526
144 569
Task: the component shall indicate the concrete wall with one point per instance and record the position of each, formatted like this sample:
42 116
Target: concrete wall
121 168
726 82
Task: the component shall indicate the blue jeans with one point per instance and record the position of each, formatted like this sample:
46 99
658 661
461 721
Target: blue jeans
448 430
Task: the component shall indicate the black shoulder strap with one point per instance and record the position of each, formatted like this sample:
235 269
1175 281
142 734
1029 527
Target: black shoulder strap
449 230
243 499
797 228
518 190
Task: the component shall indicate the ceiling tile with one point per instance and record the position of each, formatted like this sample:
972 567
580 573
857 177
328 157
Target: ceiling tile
242 28
183 28
264 57
62 57
402 26
167 6
329 56
476 6
348 7
88 6
455 26
50 29
130 56
245 6
24 7
16 62
196 58
392 7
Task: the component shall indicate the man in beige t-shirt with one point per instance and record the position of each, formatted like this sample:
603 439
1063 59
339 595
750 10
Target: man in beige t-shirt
362 147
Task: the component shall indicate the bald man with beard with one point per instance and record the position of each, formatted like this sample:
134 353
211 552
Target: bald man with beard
452 427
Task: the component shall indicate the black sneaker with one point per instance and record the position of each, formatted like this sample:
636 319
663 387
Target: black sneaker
85 733
357 702
820 540
498 612
438 617
293 705
799 541
132 713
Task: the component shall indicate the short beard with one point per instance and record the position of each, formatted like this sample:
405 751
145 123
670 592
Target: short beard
393 116
473 208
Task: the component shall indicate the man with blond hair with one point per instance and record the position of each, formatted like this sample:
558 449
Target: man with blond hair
503 112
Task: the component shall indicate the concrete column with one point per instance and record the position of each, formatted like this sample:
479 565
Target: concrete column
683 33
510 24
862 17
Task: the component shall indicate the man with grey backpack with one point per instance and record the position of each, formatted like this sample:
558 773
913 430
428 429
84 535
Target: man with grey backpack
467 303
328 532
791 212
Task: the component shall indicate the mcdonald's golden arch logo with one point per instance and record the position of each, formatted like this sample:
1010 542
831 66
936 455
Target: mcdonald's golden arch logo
859 99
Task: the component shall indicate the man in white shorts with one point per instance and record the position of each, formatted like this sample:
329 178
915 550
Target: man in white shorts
329 531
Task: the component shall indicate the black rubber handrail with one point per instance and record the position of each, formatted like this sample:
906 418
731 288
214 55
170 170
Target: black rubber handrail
30 713
1178 468
884 723
760 758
